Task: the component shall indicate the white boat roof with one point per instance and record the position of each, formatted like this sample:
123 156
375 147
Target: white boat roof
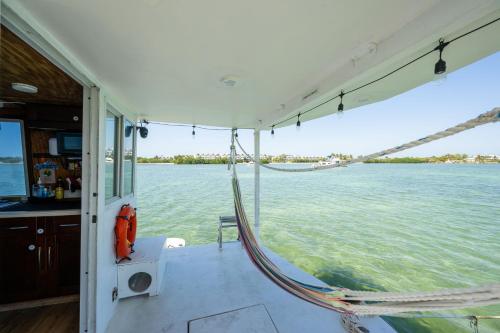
165 59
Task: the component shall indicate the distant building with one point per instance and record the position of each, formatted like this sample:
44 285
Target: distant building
470 159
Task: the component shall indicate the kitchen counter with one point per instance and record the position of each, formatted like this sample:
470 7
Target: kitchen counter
49 208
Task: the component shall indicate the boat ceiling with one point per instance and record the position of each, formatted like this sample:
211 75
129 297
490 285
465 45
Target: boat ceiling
171 60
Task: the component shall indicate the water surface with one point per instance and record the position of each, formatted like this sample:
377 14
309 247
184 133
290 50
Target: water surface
401 227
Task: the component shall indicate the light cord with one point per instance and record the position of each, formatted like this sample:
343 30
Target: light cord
343 93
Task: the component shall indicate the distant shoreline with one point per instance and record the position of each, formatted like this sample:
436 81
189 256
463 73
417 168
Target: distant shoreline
432 160
156 163
367 162
332 158
292 163
246 163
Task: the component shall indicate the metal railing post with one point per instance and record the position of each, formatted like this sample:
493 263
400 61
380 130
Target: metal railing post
257 183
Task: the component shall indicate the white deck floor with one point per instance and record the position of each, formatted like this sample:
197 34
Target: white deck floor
202 281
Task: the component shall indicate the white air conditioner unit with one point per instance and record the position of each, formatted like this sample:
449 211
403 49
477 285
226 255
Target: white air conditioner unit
143 274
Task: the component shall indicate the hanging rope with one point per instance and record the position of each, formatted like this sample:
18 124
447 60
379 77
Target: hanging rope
351 301
485 118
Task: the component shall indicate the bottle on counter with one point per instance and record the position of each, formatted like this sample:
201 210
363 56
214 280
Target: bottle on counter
39 189
59 189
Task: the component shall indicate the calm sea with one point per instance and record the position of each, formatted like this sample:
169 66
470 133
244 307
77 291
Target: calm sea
371 226
12 181
401 227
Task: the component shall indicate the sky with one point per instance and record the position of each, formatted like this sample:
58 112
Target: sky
432 107
11 144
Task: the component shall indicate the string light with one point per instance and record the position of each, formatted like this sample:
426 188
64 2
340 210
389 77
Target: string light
340 108
440 66
236 133
194 127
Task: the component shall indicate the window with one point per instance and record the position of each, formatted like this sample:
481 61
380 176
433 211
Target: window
128 157
13 172
111 156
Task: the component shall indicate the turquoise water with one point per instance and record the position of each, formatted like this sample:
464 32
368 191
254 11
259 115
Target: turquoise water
12 181
371 226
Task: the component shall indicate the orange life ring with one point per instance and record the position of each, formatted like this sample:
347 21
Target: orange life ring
125 231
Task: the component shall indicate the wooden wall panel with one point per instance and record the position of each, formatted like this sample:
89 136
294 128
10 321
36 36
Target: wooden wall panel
19 62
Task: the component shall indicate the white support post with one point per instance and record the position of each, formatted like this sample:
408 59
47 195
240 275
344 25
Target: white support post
257 183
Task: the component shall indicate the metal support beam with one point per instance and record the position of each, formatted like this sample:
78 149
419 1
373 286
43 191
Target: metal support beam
257 183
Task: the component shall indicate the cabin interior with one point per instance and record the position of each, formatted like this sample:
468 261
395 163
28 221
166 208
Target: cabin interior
40 197
45 209
75 81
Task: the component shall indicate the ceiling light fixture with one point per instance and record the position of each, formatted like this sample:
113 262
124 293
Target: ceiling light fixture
229 81
23 87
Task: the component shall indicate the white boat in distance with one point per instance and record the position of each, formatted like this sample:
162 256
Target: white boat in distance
330 161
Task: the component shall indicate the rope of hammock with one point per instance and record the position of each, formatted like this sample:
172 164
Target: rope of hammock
485 118
352 302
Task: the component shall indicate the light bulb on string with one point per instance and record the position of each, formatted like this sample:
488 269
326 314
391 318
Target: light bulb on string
440 66
272 131
298 122
340 108
193 133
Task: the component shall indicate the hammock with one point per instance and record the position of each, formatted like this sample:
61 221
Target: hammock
351 302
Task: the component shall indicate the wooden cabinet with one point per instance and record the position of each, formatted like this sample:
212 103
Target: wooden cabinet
18 259
64 253
39 257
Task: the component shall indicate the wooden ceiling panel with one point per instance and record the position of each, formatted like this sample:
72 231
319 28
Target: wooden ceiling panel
19 62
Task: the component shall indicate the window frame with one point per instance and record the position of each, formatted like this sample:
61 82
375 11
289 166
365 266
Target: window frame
117 185
134 142
25 162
